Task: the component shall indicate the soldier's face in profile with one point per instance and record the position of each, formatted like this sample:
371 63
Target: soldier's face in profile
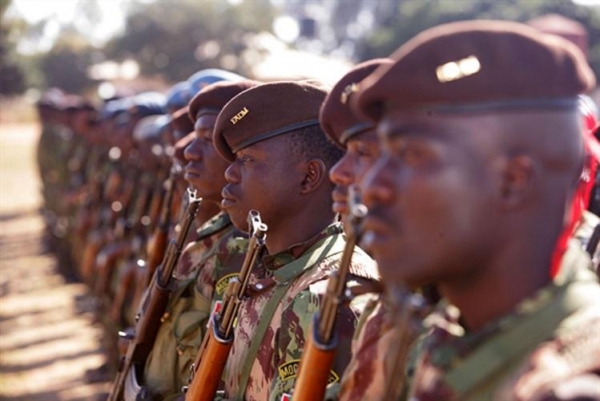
262 177
205 169
428 197
362 151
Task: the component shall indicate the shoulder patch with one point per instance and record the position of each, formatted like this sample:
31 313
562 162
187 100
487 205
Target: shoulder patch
289 370
221 285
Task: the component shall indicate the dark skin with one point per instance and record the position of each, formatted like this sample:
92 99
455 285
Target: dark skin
292 194
205 169
207 209
361 152
471 203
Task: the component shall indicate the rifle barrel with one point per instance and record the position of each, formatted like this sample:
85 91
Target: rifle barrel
149 321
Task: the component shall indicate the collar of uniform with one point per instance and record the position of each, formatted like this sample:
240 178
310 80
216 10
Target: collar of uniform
449 341
274 262
215 224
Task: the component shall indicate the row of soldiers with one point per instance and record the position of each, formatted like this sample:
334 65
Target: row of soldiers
222 226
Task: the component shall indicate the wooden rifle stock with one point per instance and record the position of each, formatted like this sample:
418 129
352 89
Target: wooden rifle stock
212 356
148 321
319 350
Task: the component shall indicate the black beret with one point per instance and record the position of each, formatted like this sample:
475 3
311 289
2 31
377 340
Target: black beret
212 98
266 111
478 65
336 117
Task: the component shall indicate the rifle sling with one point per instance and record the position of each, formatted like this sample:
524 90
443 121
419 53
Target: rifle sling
284 277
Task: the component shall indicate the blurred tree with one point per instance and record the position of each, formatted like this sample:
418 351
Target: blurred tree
410 17
12 76
177 41
65 65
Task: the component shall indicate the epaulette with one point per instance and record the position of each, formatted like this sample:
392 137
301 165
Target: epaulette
213 226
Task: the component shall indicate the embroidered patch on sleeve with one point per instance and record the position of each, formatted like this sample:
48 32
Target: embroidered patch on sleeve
289 370
223 282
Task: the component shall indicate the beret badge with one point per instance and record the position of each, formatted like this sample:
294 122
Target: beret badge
348 90
458 69
241 114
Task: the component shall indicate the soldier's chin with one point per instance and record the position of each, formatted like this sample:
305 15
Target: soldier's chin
193 183
238 218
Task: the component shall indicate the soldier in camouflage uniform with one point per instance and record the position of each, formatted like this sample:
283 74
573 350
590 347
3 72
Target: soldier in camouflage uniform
280 158
53 153
478 190
367 371
208 262
47 160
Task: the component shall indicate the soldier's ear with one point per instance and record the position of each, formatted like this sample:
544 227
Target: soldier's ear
518 177
315 172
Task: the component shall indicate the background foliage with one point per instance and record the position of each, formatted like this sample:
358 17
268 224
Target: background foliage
173 39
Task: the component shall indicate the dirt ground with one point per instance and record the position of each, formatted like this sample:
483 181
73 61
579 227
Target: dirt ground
47 338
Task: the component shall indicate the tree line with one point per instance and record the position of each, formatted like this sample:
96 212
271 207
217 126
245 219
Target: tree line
172 40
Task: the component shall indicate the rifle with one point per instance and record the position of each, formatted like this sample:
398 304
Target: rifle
128 226
319 350
409 310
157 245
206 372
148 320
158 242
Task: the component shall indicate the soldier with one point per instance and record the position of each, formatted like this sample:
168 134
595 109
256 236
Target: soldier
82 124
203 78
477 190
279 161
178 96
131 267
208 262
365 375
48 160
52 154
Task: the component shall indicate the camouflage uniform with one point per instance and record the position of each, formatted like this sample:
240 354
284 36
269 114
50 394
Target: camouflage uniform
368 371
584 233
206 263
549 339
282 306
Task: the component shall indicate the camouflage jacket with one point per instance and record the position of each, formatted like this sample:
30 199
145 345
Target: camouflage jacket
550 339
52 156
584 233
217 252
368 371
292 283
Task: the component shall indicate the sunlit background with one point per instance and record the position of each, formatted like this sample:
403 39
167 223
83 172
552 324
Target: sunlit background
83 45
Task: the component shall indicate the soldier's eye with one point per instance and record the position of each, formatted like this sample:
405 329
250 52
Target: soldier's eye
364 153
245 159
411 156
